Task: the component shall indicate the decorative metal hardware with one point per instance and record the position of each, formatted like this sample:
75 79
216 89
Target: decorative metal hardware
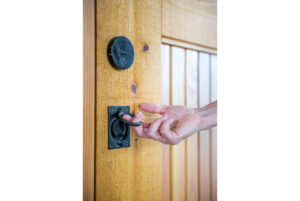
120 114
120 52
119 128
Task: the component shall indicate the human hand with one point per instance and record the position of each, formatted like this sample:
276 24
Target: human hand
176 123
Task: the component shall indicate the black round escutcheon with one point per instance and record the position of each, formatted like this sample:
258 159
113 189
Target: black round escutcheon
120 52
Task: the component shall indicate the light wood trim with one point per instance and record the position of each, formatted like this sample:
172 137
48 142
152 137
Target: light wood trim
204 139
213 78
178 152
214 185
187 45
165 88
190 21
194 161
213 97
88 99
192 141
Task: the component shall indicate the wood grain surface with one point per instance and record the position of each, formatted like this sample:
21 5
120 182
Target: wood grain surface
192 141
213 97
133 173
188 45
190 21
204 140
178 152
88 99
190 76
165 95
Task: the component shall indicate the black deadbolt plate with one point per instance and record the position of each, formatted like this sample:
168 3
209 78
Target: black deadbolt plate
120 52
118 131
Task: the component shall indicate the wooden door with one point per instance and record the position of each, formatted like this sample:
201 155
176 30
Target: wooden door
175 63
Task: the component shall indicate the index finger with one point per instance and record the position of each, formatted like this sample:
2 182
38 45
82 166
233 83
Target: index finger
154 108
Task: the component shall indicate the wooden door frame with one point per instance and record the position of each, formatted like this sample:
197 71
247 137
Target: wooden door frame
89 89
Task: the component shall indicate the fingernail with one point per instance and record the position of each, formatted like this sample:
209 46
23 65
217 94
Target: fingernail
138 114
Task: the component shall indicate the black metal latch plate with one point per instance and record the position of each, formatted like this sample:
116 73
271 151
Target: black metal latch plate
118 131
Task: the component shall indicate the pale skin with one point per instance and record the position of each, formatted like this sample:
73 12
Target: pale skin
176 123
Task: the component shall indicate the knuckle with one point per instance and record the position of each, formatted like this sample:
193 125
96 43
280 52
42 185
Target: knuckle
164 129
139 134
174 142
164 134
148 133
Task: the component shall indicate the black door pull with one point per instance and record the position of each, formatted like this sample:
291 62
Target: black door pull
119 116
119 128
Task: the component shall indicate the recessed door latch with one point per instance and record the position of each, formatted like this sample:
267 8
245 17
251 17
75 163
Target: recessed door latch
118 128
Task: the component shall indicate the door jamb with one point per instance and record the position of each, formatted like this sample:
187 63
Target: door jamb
89 89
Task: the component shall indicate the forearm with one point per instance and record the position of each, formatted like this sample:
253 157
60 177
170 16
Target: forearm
207 116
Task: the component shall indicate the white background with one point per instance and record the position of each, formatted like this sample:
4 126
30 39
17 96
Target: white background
41 100
259 97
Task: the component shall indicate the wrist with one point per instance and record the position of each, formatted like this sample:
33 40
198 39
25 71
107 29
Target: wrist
207 116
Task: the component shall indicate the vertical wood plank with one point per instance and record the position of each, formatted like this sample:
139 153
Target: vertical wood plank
213 78
213 75
178 172
214 183
213 97
132 173
88 99
192 141
165 89
204 139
